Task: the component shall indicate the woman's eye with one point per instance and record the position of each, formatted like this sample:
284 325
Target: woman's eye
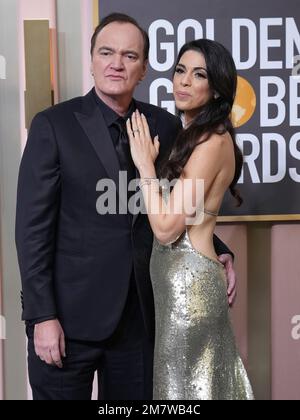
178 70
199 75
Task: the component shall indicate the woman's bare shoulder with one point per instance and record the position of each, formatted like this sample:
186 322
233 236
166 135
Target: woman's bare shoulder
212 148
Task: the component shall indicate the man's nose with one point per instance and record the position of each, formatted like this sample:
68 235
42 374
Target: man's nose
117 62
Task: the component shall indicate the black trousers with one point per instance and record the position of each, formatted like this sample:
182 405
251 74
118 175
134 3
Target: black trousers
124 363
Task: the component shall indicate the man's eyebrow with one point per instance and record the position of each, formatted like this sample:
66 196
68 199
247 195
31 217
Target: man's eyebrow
131 52
105 48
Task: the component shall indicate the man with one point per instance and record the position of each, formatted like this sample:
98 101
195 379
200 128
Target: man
87 296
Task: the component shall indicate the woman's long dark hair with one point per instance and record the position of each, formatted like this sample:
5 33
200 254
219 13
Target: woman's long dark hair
213 117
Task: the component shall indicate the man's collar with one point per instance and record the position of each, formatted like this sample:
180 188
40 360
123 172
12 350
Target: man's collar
110 116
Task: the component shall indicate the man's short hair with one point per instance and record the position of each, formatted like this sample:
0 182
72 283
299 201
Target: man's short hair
120 18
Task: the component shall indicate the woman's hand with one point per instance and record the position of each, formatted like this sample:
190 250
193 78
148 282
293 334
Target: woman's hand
144 151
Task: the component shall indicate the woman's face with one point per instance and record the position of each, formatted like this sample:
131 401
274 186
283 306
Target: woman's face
190 84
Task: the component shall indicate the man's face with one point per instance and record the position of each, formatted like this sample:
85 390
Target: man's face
118 61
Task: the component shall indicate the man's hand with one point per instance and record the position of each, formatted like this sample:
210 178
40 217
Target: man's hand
49 342
227 261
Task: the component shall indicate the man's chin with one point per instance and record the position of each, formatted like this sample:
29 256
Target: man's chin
116 93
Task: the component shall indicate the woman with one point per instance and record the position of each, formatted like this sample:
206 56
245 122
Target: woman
195 351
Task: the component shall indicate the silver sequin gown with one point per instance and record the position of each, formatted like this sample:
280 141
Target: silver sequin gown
195 354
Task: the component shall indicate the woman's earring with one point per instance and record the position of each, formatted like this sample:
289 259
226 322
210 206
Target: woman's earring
216 95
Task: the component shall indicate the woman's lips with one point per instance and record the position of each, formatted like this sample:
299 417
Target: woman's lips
183 95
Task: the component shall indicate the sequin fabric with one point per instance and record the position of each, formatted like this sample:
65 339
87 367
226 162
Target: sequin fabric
195 354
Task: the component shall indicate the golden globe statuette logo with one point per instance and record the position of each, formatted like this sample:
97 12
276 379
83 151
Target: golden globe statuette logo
244 104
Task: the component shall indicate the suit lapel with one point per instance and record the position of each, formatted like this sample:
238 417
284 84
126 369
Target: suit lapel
93 124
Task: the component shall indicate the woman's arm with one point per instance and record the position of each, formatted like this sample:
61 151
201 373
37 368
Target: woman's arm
168 220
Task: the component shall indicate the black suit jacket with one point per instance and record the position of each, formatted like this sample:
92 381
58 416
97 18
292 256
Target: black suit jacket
76 264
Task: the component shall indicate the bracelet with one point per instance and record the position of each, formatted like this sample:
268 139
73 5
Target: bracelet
147 181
